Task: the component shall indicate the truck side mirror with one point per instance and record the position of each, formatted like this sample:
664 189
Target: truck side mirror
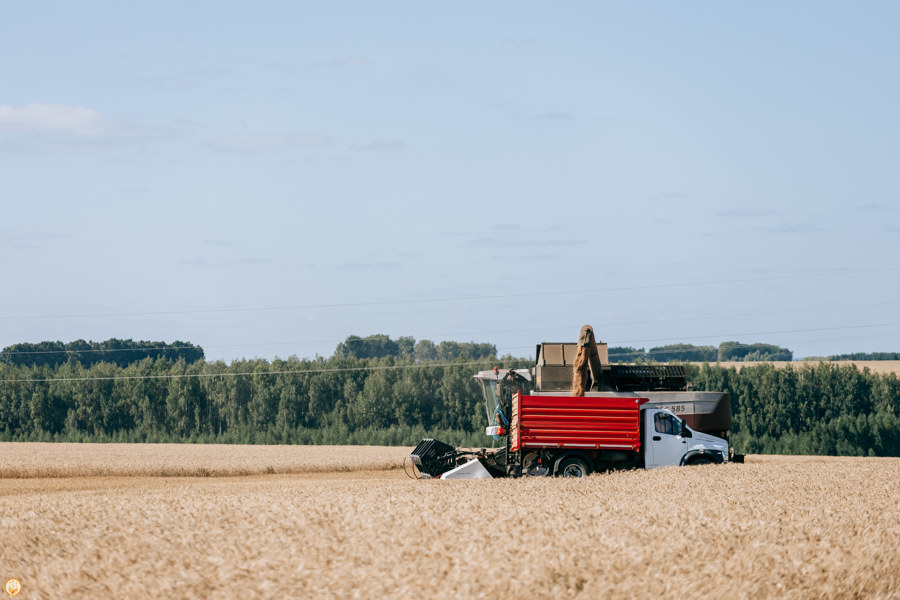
684 432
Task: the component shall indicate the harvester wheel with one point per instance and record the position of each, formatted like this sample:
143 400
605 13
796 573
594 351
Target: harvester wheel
573 467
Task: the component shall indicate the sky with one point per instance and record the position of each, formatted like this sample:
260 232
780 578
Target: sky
266 179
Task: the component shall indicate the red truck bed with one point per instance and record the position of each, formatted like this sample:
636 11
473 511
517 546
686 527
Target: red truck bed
576 422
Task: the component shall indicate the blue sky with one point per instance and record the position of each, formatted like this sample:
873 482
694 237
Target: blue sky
265 180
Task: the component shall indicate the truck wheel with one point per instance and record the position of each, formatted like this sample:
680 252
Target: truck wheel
701 460
573 467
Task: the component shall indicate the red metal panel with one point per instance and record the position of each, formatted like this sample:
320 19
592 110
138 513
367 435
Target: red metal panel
576 421
514 422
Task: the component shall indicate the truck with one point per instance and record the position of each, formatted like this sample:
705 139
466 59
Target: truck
627 416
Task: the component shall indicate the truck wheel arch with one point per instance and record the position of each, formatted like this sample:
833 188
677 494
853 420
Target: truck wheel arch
569 457
695 457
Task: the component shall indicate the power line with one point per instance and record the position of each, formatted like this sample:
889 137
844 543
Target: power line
410 366
171 376
103 350
725 335
454 299
374 367
249 373
655 321
433 335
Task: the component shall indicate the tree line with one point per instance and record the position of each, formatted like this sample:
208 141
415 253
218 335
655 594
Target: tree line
381 346
817 408
376 393
864 356
157 399
372 390
115 351
725 352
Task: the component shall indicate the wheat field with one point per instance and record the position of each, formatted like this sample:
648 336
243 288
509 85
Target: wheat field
775 527
881 367
39 459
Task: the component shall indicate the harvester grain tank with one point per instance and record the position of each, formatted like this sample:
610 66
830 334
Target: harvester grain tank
574 413
664 386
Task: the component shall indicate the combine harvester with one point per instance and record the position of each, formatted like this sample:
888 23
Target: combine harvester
574 413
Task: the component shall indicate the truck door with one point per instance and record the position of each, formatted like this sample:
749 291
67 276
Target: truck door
664 446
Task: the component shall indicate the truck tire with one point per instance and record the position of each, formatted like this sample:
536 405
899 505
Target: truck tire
701 460
573 467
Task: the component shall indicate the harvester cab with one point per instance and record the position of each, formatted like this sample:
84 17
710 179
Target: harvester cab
498 388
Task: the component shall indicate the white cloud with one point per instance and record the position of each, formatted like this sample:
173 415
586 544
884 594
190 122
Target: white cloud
254 261
365 266
747 213
52 119
348 63
194 262
192 78
669 197
335 64
521 42
380 145
873 207
214 242
556 116
267 142
502 242
29 239
796 228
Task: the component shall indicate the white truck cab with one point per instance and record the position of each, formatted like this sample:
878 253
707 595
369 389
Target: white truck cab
668 441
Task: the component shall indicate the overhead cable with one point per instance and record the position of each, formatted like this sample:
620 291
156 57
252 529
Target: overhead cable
453 299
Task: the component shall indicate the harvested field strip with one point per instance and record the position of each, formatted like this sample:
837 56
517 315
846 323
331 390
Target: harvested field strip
882 367
773 528
49 460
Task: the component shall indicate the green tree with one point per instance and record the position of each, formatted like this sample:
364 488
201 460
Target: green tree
735 351
425 350
373 346
625 354
683 352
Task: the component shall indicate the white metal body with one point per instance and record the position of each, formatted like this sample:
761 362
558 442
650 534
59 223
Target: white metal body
668 441
471 470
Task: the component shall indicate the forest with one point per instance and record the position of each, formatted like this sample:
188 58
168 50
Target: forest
376 390
726 351
118 352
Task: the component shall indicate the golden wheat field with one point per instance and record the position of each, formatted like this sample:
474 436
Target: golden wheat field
881 367
40 459
357 527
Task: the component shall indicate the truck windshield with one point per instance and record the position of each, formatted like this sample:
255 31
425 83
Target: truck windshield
491 400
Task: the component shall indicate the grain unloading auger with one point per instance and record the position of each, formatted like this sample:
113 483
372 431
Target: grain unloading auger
573 413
